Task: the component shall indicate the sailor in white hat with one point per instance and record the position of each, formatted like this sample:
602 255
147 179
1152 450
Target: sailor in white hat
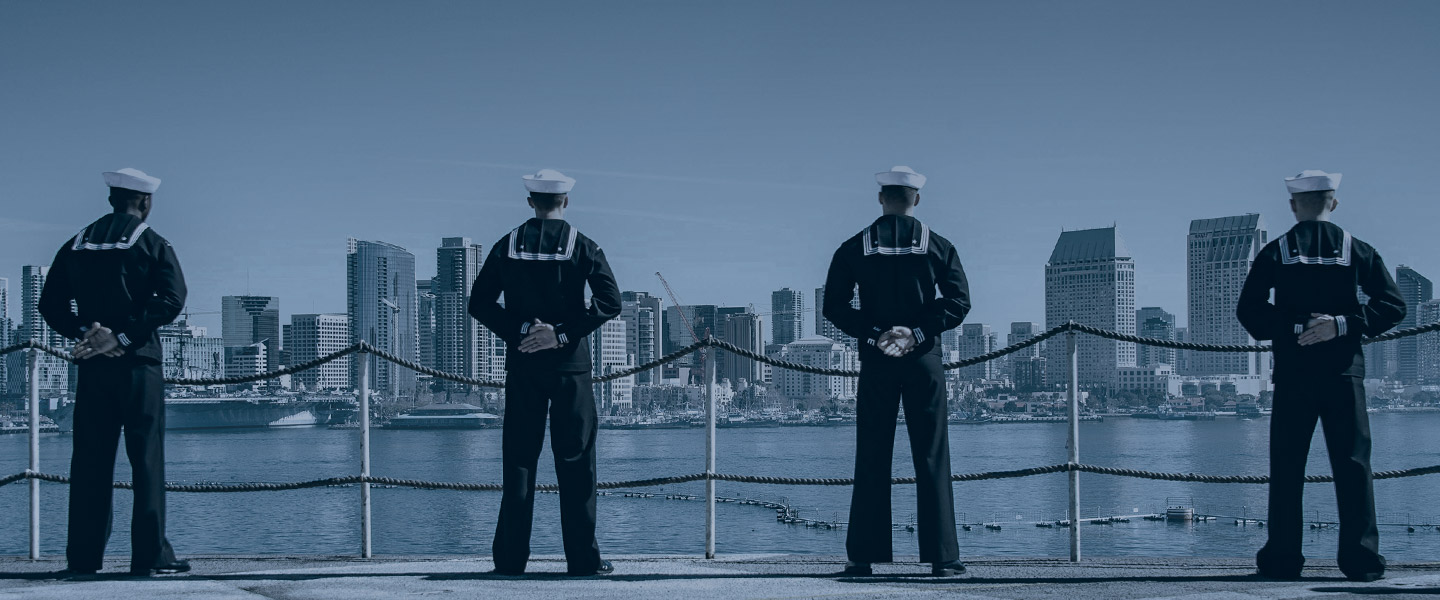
1316 324
897 263
124 283
542 268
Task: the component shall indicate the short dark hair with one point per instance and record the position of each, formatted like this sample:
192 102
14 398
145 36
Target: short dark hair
545 201
121 198
898 194
1313 201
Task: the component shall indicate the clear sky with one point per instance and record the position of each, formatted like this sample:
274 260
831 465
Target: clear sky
730 145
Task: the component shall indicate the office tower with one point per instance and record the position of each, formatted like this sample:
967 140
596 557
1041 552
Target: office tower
950 345
745 330
1182 357
823 326
1428 348
815 390
1382 360
313 336
425 321
1154 322
703 319
787 315
644 330
190 353
54 372
1416 289
381 304
976 339
4 332
244 361
461 341
1021 331
246 320
1026 366
1219 254
608 355
1090 279
723 359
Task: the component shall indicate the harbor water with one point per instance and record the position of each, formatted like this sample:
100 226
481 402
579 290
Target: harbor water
408 521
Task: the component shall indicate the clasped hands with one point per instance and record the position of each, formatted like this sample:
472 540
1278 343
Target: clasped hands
897 342
99 341
1320 328
540 336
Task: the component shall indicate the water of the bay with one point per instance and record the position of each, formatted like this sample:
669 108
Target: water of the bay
409 521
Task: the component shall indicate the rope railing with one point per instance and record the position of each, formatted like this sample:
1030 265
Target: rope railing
678 479
711 342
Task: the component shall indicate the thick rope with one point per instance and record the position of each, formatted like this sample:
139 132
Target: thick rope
756 479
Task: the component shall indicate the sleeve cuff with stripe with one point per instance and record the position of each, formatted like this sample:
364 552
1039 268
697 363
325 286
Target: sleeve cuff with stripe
1340 326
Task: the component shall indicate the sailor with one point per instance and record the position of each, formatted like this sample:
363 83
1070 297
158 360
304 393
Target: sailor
1316 323
898 263
112 287
542 268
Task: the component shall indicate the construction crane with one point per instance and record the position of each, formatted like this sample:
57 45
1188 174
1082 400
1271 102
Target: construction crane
702 355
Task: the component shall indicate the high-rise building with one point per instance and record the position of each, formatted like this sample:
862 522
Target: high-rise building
702 318
745 330
1219 254
1382 359
1026 366
1428 350
313 336
609 355
823 326
976 339
1155 322
54 372
787 315
246 320
190 353
382 307
1090 279
1182 357
950 345
4 332
824 353
1416 289
244 361
461 341
425 321
644 330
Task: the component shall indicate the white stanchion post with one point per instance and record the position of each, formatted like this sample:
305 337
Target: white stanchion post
364 401
34 359
1074 443
710 454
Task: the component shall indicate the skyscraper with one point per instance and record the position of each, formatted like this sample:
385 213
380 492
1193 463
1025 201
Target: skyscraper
702 318
246 320
54 372
4 331
461 342
425 321
608 355
1416 289
745 330
382 308
1090 279
787 315
823 326
1219 254
976 339
1429 344
1027 366
1155 322
643 315
316 335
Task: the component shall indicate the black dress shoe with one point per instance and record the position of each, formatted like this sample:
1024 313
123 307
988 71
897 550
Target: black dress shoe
171 568
605 568
858 569
1365 577
1278 575
949 569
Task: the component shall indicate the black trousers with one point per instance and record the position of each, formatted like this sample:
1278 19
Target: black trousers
114 395
569 401
1339 404
918 384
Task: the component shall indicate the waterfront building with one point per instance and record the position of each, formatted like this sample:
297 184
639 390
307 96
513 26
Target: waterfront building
1028 373
1428 348
1021 364
313 336
382 308
1416 289
704 319
54 372
644 329
1090 279
244 361
462 345
1155 322
1220 252
1199 385
824 353
190 353
425 320
5 334
246 320
1149 379
976 339
950 346
823 326
745 330
1382 359
608 354
1182 357
787 315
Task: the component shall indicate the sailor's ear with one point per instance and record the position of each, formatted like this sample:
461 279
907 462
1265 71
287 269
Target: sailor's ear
530 201
917 198
1334 203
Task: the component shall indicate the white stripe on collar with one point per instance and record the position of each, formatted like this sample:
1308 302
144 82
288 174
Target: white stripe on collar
920 247
124 244
1342 260
565 253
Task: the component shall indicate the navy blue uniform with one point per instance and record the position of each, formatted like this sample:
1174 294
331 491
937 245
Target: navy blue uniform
542 269
120 273
898 264
1315 268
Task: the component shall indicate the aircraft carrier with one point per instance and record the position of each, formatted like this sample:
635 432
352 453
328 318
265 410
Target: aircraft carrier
237 412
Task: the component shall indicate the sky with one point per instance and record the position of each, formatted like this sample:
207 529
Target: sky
729 145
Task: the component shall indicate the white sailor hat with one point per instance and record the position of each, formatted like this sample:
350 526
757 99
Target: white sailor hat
1312 180
132 179
549 181
899 175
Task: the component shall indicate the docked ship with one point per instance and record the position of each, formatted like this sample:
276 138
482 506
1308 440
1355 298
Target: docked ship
444 416
234 412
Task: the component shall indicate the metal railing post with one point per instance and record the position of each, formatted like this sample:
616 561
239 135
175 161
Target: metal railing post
365 541
710 455
34 359
1073 445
